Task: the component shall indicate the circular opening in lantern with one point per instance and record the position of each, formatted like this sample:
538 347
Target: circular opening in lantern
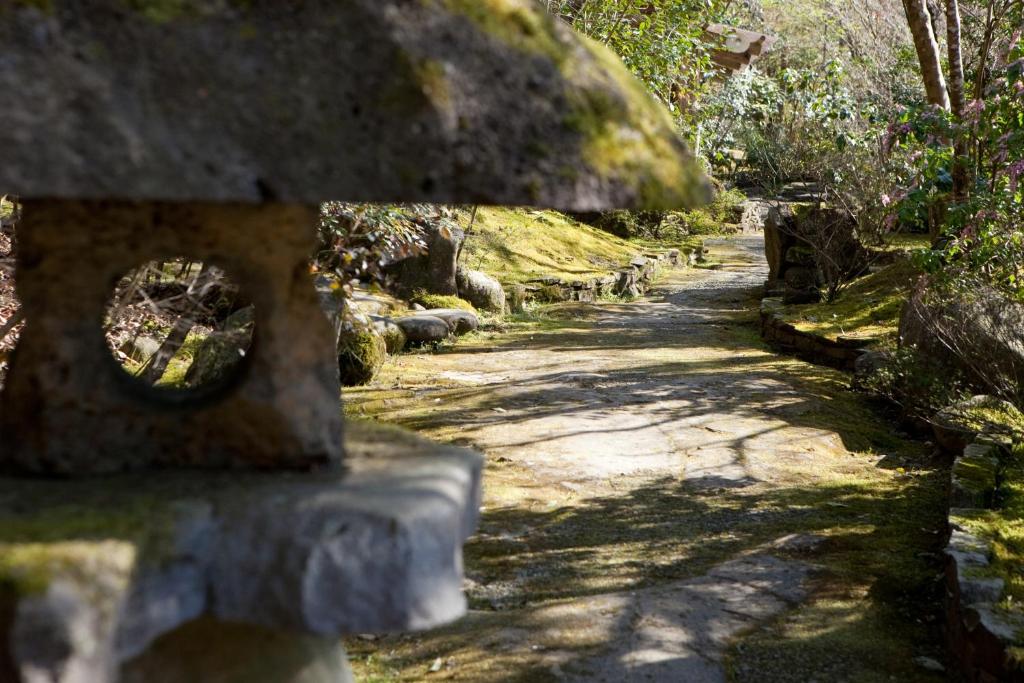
179 325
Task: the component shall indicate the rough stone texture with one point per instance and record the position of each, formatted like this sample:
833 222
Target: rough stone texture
389 330
424 329
435 271
222 351
974 477
69 408
516 296
980 337
801 286
361 354
843 354
778 238
460 322
139 349
376 549
481 290
868 365
370 100
957 425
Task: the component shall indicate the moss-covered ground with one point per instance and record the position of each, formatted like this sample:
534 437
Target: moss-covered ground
634 446
869 308
519 245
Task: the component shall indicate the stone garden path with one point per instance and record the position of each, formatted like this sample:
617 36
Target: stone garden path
668 500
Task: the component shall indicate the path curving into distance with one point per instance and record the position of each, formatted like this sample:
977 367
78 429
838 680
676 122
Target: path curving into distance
667 499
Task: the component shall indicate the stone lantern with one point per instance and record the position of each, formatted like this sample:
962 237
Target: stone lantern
241 530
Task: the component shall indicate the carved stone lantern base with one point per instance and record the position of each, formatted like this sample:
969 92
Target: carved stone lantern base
68 407
189 574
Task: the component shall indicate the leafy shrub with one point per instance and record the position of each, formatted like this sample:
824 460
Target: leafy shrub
919 386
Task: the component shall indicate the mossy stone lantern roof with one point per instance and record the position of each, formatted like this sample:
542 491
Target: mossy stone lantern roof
454 101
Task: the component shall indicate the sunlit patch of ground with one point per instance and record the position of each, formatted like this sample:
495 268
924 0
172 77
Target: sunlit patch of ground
636 446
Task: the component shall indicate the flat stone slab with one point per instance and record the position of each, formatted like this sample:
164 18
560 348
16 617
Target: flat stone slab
101 568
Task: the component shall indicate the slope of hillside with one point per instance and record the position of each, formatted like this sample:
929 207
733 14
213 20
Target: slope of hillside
517 245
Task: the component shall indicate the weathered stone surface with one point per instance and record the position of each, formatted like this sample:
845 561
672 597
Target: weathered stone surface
481 290
627 284
801 286
377 549
222 351
460 322
778 230
974 477
955 426
361 354
435 271
516 296
389 330
868 365
979 335
424 329
375 100
68 407
139 349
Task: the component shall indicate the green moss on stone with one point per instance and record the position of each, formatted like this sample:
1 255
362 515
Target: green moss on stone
361 353
516 23
428 300
416 86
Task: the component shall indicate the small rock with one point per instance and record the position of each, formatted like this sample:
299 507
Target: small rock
929 664
459 321
481 290
424 329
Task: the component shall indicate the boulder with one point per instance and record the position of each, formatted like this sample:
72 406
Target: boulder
481 290
435 271
516 297
867 366
222 351
361 353
779 231
460 322
800 256
627 285
386 101
391 333
140 349
979 335
424 329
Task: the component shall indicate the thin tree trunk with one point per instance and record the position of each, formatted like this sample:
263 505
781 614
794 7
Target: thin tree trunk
919 21
956 60
961 147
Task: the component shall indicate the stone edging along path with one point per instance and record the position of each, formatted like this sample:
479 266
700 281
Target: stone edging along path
978 634
633 280
841 353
